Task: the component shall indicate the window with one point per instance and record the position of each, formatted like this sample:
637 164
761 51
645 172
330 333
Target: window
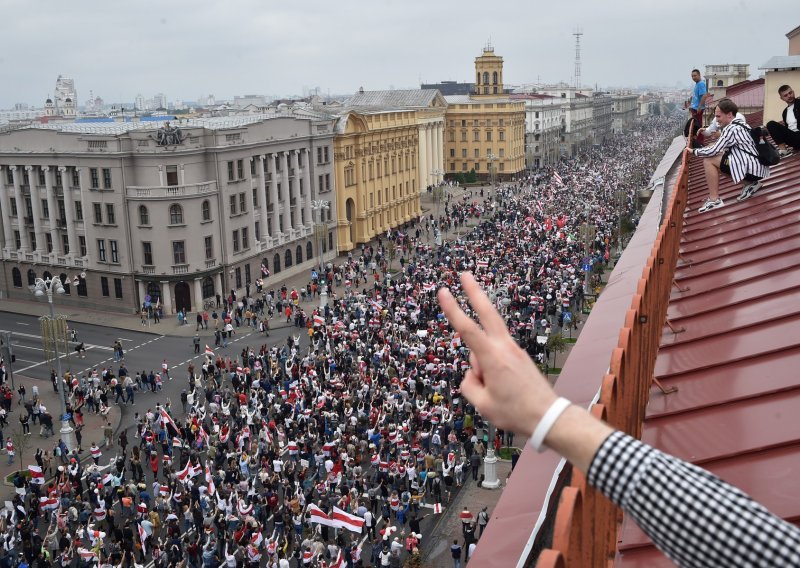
98 212
245 238
49 242
114 251
106 178
144 215
65 281
287 258
172 175
209 246
16 276
463 135
95 179
230 172
175 214
452 152
82 244
179 252
242 203
326 155
147 253
463 152
502 166
65 243
327 177
208 287
319 155
45 209
252 167
240 168
247 278
488 135
41 177
101 250
31 277
28 207
118 288
258 230
104 286
276 263
485 77
111 219
82 290
238 275
464 166
13 202
477 152
309 251
236 240
206 210
78 211
494 78
10 180
255 198
154 291
476 166
32 237
298 255
232 201
502 135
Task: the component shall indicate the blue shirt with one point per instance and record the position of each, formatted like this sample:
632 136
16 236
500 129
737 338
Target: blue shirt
697 94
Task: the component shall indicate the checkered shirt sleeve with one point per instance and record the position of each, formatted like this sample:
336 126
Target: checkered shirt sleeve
692 516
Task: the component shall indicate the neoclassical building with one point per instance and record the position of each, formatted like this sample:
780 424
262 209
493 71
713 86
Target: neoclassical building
486 129
128 212
388 146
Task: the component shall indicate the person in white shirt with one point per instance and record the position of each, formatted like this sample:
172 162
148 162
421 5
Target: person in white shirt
786 133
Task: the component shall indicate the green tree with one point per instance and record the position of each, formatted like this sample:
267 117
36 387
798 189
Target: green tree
556 344
21 443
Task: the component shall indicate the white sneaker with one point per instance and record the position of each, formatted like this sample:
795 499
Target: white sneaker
709 205
749 190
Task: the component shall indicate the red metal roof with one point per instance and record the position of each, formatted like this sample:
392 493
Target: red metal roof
737 299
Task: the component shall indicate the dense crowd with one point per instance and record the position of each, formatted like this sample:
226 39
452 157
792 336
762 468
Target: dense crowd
331 448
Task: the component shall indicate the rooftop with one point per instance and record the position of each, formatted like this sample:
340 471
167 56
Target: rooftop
394 99
780 62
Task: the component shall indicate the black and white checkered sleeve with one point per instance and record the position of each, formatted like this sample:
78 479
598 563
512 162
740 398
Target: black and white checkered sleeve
692 516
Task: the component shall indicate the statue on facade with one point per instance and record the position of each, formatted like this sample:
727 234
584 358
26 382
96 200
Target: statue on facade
169 135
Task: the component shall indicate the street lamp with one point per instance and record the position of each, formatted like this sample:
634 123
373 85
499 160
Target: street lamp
490 480
438 191
318 206
42 288
492 158
542 340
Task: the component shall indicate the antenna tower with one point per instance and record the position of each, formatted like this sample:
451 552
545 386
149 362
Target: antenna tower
577 33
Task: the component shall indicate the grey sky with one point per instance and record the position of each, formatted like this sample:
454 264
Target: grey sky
188 48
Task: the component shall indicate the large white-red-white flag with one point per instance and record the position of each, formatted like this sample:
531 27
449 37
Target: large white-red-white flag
37 475
142 537
353 523
558 179
168 420
317 515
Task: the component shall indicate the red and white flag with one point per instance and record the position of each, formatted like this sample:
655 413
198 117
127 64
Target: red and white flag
317 515
429 287
37 476
319 320
482 264
48 503
558 179
167 419
209 351
183 474
177 442
353 523
86 554
142 537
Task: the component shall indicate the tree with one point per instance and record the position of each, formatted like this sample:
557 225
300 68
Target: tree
21 443
556 344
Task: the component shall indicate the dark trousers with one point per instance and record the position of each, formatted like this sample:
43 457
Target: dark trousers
782 135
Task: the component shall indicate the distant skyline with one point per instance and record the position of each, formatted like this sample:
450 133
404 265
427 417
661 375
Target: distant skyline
186 49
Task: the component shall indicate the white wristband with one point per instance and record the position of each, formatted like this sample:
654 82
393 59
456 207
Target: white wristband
547 421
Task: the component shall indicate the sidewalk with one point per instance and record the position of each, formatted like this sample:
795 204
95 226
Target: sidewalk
92 432
169 325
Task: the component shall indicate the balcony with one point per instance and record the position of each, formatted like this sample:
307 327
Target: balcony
180 269
148 269
61 223
171 191
211 263
29 220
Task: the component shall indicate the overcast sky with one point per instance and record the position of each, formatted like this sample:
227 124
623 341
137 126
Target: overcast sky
187 48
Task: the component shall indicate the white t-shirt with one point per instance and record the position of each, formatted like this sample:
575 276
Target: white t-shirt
791 121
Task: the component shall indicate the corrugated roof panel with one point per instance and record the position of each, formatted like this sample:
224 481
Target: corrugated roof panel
735 358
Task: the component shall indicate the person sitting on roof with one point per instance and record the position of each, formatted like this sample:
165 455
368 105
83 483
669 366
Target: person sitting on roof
786 132
739 159
691 515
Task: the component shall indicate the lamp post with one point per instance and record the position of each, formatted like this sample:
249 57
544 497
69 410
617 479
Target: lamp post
492 159
318 206
490 480
438 191
46 288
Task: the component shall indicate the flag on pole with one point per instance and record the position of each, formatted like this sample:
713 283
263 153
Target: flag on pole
37 476
558 179
209 351
319 320
168 420
437 508
87 554
353 523
177 442
317 515
184 473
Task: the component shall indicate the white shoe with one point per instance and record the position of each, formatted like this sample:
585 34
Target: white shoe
711 204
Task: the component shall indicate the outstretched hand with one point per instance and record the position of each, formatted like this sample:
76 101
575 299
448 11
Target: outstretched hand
503 383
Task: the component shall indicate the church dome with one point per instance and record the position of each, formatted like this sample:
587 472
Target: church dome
48 102
68 100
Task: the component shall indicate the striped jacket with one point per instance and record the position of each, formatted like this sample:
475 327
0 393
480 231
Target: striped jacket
743 152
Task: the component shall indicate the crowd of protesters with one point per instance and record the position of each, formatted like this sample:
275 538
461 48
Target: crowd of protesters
329 449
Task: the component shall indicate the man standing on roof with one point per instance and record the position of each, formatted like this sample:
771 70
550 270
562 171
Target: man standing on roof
739 159
785 133
697 104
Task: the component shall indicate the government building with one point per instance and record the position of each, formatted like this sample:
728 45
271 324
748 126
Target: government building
485 129
134 212
388 146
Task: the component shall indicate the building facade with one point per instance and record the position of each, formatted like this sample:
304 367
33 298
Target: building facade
602 114
720 77
127 213
544 122
624 112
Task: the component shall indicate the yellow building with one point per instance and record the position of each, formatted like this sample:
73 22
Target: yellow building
387 145
485 130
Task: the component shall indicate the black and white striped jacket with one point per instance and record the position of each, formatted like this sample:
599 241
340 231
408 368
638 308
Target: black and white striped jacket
743 152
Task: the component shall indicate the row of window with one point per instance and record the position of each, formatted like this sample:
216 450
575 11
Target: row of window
62 212
49 242
113 248
236 167
476 136
16 278
477 153
476 166
59 181
475 122
111 217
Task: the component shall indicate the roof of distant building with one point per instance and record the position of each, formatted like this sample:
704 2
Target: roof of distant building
747 94
449 88
466 99
782 62
395 99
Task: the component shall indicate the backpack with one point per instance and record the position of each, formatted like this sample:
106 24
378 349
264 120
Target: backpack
767 153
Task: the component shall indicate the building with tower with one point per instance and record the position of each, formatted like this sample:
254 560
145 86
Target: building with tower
64 91
485 130
177 213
